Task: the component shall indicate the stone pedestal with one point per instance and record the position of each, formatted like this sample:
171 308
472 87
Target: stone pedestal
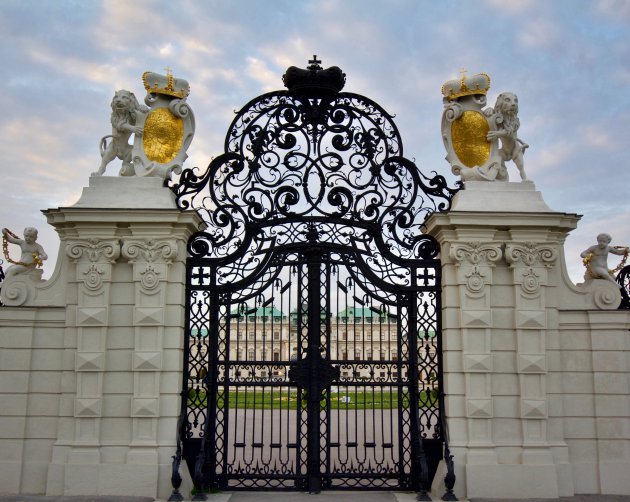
123 252
502 257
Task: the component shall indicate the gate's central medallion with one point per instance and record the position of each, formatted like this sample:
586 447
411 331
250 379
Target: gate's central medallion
314 373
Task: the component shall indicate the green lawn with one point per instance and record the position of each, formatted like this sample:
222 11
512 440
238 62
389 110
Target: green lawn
351 400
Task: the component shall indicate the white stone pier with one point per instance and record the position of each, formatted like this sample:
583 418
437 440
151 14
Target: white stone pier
521 383
92 363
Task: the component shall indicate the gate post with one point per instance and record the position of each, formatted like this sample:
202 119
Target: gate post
122 267
502 259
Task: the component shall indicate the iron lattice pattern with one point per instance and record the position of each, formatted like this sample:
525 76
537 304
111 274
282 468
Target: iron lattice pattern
313 329
623 279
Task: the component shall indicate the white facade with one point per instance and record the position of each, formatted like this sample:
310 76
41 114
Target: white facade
536 369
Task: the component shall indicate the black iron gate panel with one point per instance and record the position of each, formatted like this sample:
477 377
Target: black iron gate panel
312 350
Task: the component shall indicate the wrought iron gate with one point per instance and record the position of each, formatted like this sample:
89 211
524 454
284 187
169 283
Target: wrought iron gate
312 344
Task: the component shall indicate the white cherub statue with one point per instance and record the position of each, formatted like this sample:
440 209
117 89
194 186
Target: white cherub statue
595 259
32 253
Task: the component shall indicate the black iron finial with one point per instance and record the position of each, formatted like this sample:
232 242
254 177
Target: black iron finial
314 80
314 64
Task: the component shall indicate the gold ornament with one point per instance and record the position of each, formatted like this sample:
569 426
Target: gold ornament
469 138
163 135
587 259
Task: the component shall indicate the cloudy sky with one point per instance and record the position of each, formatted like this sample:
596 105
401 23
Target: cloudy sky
568 61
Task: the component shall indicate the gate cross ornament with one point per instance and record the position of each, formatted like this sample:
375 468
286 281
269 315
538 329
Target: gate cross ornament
314 61
426 276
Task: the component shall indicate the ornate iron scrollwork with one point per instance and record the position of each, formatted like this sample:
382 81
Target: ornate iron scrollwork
291 157
623 279
312 202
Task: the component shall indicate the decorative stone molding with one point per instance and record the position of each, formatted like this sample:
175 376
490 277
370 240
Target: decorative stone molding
476 279
91 316
87 407
19 290
94 249
145 407
90 361
530 254
151 250
534 408
479 408
531 319
476 318
606 294
147 316
150 279
147 361
531 281
478 363
476 253
532 363
93 280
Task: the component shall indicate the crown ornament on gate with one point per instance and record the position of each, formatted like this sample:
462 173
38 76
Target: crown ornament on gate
314 80
154 83
466 86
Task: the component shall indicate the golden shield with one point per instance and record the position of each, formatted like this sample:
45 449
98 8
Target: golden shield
163 135
469 136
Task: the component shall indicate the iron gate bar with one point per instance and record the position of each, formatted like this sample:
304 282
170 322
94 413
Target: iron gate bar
311 203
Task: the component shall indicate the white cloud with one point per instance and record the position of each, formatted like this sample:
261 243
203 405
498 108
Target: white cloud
110 74
260 72
614 8
166 50
537 33
126 24
512 6
599 137
553 156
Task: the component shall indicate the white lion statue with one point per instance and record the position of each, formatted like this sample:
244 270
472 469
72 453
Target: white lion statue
125 108
507 123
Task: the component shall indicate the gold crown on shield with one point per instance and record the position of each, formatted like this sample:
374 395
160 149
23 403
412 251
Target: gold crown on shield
466 86
155 83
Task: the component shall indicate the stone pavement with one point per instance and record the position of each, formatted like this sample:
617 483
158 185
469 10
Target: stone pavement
302 497
262 496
